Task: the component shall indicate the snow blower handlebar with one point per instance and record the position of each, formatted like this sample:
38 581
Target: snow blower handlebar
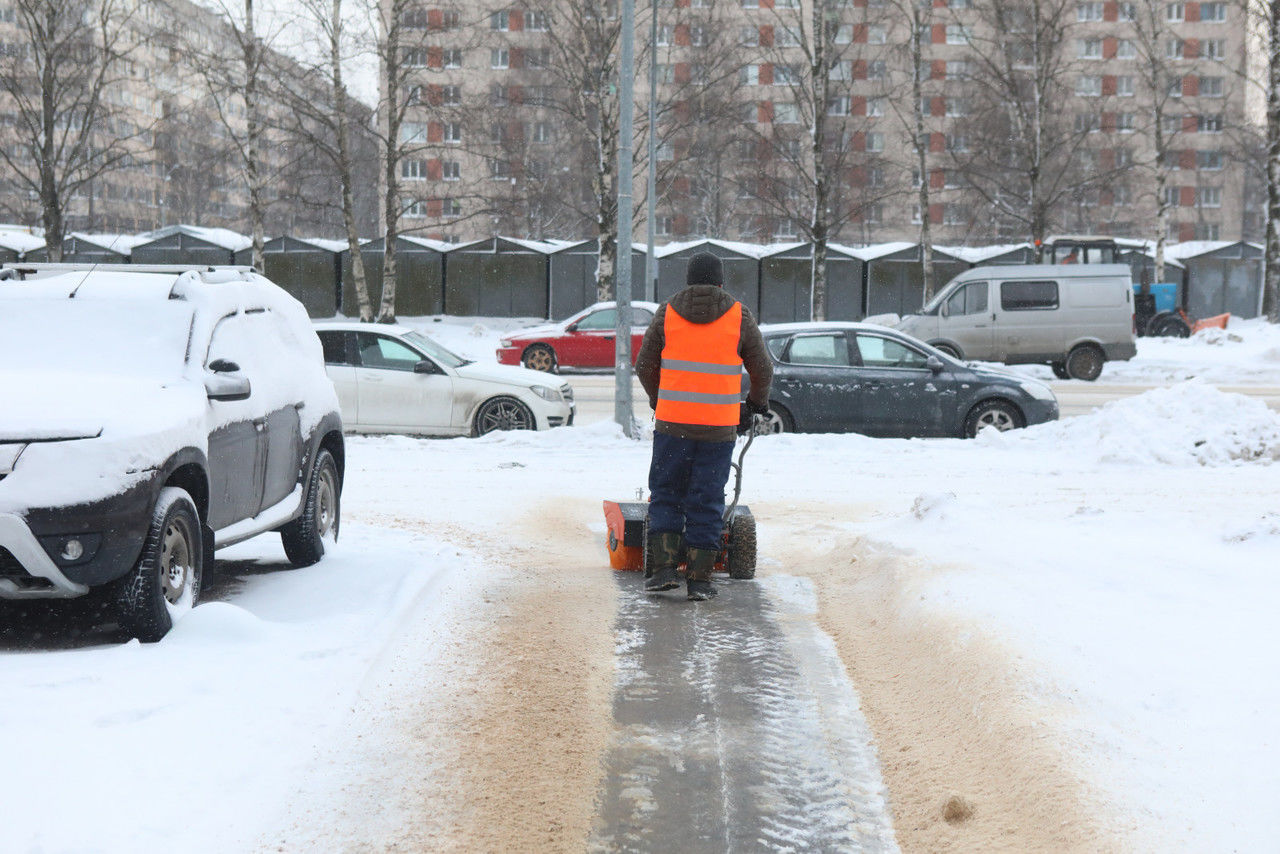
756 421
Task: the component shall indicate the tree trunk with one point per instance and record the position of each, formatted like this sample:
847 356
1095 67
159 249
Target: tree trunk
50 199
608 239
922 157
1271 276
391 171
253 136
819 79
344 167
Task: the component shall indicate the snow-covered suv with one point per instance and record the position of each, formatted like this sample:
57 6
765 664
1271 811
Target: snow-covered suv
149 415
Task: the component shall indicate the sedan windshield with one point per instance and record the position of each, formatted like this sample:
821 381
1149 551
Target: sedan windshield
438 353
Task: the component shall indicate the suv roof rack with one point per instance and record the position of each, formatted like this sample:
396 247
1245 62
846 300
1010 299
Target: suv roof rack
45 267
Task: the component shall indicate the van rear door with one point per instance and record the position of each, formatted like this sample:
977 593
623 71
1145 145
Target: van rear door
1028 321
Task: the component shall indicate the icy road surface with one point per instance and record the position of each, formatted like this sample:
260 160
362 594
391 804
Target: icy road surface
738 729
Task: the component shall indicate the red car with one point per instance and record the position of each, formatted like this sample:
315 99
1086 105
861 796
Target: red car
585 340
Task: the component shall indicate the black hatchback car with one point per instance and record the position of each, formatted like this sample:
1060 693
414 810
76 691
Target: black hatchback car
863 378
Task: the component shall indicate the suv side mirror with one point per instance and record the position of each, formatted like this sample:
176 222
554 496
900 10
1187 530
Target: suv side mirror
226 386
425 367
934 364
943 311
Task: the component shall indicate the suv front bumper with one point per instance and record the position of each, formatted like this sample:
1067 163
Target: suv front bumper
26 570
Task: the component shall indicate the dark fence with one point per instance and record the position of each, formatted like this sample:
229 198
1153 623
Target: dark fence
507 277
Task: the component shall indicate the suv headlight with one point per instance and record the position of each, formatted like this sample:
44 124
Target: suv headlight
504 343
1038 390
547 393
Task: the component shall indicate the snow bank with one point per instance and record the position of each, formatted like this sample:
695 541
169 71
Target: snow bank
1192 423
1247 352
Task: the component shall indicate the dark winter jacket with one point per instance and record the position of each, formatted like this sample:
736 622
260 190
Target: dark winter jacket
703 304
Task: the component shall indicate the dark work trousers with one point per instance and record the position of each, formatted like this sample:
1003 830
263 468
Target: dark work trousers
686 488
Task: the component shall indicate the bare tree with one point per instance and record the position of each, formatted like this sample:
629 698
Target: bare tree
66 132
908 104
1024 153
1262 26
237 90
1160 66
325 118
582 77
811 134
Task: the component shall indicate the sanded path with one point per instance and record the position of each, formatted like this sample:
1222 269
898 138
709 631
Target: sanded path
737 729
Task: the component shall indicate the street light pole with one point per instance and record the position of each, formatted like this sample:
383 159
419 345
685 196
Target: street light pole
650 262
622 408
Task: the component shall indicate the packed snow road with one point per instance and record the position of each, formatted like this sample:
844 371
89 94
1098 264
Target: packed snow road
1054 637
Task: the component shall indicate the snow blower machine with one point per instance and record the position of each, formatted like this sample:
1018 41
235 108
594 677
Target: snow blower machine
628 524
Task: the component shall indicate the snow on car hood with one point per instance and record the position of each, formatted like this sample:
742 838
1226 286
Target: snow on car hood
544 331
507 375
90 436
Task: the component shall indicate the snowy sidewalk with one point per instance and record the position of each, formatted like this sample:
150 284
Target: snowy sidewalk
738 729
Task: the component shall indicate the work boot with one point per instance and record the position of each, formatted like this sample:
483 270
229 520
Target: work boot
665 551
698 575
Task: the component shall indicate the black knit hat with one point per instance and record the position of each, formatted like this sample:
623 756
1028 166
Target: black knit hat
704 269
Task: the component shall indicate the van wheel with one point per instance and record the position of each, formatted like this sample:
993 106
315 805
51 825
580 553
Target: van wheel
949 350
1084 362
1060 370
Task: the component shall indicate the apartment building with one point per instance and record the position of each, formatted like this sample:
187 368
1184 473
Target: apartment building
178 130
738 106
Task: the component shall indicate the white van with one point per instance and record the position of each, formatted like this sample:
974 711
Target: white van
1072 317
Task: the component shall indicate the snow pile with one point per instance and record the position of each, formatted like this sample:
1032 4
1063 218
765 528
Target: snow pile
1192 423
1246 352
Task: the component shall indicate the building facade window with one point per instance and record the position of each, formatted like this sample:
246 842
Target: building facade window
1086 12
1209 160
500 21
413 170
1089 48
1088 86
451 170
1208 197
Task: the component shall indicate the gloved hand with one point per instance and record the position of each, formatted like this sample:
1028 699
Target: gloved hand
748 412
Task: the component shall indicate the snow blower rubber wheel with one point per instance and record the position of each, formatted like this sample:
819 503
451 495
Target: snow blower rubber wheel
741 555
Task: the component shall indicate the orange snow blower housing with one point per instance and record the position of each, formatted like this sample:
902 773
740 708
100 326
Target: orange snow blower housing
628 523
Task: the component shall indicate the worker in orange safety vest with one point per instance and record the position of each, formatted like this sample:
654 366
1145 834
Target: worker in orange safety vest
690 364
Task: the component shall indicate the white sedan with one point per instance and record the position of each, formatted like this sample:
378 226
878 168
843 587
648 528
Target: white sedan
393 379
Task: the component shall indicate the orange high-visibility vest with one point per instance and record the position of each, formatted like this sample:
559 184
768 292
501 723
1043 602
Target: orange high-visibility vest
701 379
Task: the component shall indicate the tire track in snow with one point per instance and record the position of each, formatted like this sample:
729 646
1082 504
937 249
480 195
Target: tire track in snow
738 729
